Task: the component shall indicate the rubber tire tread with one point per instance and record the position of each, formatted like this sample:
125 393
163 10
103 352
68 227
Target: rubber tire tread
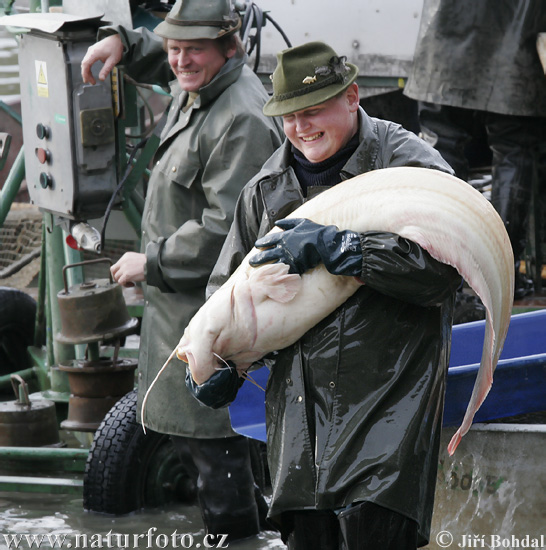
17 323
116 469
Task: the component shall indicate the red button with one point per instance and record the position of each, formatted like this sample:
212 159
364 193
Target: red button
42 154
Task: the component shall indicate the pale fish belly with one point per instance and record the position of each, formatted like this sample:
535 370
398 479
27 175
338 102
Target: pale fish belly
259 310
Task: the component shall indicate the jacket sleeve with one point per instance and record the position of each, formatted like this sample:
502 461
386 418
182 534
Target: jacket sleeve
400 268
144 58
229 160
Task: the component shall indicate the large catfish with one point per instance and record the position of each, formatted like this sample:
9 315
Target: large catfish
259 310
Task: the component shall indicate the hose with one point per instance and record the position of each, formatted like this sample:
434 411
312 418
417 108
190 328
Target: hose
254 17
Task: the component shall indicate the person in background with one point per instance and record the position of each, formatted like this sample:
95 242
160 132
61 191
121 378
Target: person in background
354 408
214 140
476 63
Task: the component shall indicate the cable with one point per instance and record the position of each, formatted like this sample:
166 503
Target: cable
278 27
255 17
246 25
128 170
258 37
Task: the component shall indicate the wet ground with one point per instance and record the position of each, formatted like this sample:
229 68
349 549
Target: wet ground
49 520
58 521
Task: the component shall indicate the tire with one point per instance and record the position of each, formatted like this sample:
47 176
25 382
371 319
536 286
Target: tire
127 470
17 320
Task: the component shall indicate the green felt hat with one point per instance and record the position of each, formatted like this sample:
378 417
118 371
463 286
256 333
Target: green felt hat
198 19
308 75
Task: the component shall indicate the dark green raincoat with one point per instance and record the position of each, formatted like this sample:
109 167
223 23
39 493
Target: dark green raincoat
480 54
354 409
203 161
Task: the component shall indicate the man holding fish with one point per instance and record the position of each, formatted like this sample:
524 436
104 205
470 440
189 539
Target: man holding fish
354 408
214 140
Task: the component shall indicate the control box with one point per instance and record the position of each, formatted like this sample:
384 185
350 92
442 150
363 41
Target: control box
69 130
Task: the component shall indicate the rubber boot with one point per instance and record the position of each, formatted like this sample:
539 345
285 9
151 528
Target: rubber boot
367 525
226 489
311 530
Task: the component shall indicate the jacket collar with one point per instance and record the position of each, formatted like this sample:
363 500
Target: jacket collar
364 158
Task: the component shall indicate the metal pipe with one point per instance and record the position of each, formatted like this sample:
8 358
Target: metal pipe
50 353
12 186
11 112
40 320
31 484
74 277
25 374
93 351
63 353
42 453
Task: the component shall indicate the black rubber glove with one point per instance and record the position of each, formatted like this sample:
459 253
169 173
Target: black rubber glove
304 244
219 390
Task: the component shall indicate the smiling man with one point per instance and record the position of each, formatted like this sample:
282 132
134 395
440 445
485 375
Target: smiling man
353 409
214 140
320 131
196 62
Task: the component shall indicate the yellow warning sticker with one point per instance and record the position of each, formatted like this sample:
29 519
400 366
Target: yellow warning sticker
41 78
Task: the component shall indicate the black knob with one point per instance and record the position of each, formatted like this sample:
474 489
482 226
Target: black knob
42 131
46 180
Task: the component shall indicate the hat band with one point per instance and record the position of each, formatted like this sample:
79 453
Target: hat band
217 23
332 79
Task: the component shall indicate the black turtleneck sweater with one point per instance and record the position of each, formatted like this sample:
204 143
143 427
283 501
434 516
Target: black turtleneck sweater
325 173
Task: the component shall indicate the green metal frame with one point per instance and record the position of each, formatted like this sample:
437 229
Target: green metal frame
45 460
44 361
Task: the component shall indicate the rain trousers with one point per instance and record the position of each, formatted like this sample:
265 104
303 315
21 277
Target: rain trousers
354 409
205 157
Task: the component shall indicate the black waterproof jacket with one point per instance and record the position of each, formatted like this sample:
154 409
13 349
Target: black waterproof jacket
354 409
481 54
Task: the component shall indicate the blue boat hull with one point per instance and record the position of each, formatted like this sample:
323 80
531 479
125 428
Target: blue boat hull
519 385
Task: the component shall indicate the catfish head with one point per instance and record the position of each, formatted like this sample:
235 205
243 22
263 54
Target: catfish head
228 325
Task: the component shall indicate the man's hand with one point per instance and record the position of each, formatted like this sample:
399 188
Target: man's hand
129 269
109 50
304 244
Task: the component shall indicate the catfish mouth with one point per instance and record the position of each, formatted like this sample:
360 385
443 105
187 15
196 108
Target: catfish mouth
182 354
186 356
197 372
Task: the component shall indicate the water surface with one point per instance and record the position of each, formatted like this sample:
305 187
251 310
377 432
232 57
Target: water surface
58 521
